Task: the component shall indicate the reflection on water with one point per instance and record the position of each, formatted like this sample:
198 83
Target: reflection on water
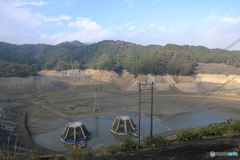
99 126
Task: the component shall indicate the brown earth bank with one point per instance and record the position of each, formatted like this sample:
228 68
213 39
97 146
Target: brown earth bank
52 80
126 81
216 68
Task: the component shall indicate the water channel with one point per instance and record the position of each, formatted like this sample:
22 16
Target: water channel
99 126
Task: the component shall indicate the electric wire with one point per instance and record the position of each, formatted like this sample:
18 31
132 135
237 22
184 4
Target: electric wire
229 46
171 86
195 102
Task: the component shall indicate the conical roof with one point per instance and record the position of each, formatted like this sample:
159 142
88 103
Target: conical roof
75 132
123 125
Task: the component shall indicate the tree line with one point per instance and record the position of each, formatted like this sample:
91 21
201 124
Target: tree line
112 55
16 70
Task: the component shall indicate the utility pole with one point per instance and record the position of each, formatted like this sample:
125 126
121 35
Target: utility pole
151 130
145 84
96 102
139 114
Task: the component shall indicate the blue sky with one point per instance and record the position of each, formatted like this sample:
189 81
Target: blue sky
211 23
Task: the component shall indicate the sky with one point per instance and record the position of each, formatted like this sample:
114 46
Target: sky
210 23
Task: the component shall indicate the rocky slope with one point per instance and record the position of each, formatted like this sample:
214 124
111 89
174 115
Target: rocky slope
127 81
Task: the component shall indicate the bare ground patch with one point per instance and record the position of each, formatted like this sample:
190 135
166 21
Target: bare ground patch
216 68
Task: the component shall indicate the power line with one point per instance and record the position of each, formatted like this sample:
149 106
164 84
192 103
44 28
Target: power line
171 86
202 98
229 46
195 103
226 48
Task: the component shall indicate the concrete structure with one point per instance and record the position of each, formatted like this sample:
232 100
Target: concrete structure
123 125
75 132
8 118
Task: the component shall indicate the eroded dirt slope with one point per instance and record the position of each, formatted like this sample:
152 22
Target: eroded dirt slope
60 80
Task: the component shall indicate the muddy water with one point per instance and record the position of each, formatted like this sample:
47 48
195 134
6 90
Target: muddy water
203 118
99 126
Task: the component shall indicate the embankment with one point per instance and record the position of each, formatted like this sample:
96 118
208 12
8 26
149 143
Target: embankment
59 80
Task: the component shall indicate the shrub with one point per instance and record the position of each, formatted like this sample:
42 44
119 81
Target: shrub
127 145
217 130
188 135
113 149
235 127
210 131
78 154
100 149
157 141
229 134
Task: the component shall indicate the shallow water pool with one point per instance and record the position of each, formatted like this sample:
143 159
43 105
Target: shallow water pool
99 126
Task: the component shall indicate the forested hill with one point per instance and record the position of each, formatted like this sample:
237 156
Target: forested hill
110 55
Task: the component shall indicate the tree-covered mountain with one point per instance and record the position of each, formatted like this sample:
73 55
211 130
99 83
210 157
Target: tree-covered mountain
75 42
115 55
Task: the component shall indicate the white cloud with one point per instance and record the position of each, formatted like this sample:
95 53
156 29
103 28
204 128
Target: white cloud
129 2
85 23
22 24
128 24
229 20
213 17
131 35
59 23
120 27
88 31
180 30
132 27
81 35
37 3
219 36
161 28
61 17
16 14
210 32
151 25
19 3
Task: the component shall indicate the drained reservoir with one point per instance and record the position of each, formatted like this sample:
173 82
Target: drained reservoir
99 126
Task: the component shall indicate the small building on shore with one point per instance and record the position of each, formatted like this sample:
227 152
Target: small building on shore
123 125
75 132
